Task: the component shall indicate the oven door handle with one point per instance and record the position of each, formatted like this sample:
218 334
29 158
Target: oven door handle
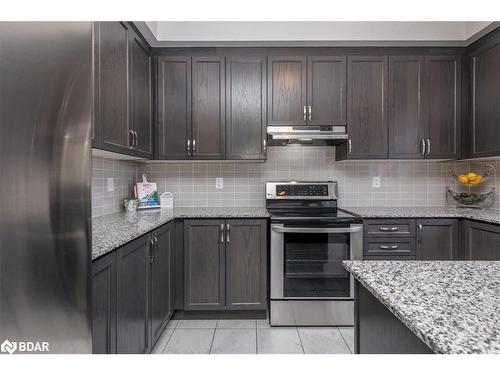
281 229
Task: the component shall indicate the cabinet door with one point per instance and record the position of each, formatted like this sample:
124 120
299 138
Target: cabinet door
104 305
208 107
161 280
140 96
174 107
437 239
482 241
326 90
485 102
246 259
367 113
286 90
442 120
132 285
112 117
245 108
406 131
204 265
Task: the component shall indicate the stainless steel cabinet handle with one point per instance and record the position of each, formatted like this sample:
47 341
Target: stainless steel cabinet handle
280 229
188 147
422 146
227 233
305 114
131 140
222 233
150 257
264 145
310 113
428 146
195 150
387 247
388 229
136 140
420 230
349 146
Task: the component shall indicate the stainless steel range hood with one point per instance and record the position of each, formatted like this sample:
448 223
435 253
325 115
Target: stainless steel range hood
332 134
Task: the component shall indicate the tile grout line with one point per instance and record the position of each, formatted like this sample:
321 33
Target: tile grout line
213 337
300 339
345 341
170 337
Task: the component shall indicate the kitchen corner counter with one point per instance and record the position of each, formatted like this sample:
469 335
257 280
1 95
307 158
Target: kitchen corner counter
452 306
112 231
488 216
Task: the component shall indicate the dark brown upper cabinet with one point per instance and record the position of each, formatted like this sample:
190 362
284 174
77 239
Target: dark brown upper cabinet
485 99
366 109
122 90
140 96
306 90
326 90
442 108
287 90
208 107
423 107
406 130
246 108
191 107
111 116
174 108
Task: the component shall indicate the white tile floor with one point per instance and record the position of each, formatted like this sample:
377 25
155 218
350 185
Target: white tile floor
251 336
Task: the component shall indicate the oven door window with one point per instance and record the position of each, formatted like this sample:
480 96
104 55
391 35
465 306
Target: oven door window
313 265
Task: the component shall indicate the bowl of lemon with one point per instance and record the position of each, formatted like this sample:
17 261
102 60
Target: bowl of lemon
470 178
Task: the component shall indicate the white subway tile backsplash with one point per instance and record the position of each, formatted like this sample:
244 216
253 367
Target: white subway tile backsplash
408 183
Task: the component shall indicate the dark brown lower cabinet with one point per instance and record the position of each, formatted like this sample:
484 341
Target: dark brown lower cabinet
225 264
132 297
132 291
104 305
482 241
437 239
161 279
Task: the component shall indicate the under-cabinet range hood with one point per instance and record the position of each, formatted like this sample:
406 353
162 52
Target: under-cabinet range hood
308 134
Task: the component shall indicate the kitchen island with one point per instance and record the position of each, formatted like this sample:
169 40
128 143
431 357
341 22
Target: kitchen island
426 306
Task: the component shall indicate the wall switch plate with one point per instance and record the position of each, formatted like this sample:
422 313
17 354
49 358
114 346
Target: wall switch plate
219 183
111 186
376 182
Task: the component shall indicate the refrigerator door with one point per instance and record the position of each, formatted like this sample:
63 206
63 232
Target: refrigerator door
45 154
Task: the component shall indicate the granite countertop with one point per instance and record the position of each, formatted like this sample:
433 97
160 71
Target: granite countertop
489 215
114 230
453 307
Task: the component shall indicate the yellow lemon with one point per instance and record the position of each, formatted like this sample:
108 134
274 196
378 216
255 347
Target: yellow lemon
463 179
471 176
477 180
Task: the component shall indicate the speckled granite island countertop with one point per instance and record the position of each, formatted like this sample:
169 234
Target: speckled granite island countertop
115 230
453 307
489 216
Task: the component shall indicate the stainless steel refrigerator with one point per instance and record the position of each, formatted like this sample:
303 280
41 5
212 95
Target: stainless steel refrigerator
45 155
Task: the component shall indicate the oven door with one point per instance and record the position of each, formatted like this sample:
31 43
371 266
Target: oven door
306 262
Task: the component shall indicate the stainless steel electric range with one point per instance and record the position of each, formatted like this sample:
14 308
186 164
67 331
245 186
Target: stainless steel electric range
310 237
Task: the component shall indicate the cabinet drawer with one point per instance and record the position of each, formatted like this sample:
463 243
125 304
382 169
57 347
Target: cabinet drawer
389 246
389 228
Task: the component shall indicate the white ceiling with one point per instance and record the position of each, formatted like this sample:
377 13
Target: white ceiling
189 32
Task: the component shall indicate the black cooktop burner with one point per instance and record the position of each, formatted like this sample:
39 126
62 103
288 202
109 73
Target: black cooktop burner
314 216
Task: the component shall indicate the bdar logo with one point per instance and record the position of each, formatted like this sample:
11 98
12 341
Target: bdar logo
8 347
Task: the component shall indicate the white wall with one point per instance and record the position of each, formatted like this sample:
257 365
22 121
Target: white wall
313 31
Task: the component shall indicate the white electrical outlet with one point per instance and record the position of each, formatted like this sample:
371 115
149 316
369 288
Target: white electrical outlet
111 186
376 182
219 183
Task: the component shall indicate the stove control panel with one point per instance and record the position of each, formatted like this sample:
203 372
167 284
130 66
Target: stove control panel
302 190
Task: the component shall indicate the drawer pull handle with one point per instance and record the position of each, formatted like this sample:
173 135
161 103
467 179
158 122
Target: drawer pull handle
388 229
387 247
